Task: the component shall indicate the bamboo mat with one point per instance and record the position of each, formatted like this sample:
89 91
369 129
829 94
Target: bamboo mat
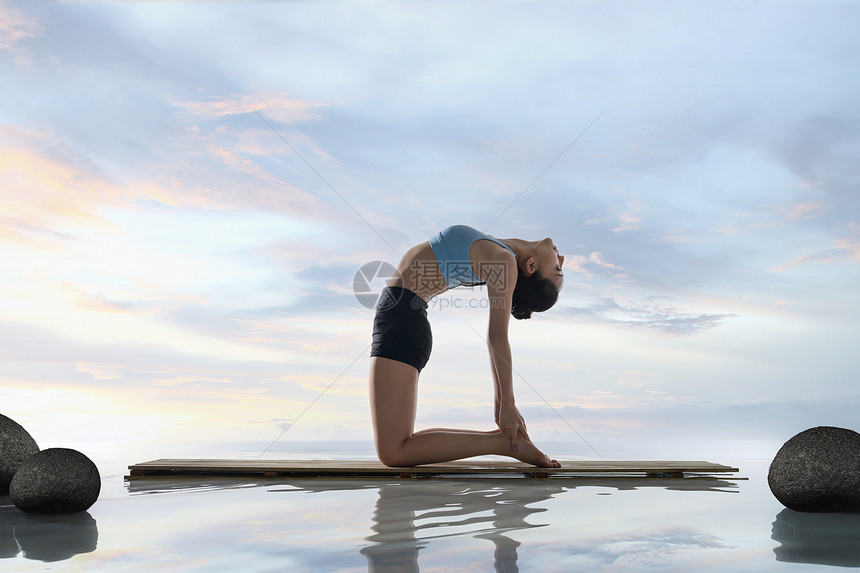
371 469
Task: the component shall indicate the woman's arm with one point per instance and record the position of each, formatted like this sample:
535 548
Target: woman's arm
500 289
500 351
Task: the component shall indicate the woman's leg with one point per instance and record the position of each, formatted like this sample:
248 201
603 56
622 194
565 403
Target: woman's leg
393 404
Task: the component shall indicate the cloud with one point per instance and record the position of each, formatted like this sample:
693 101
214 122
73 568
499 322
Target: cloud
99 371
843 251
15 28
625 217
45 186
650 314
683 422
184 233
226 146
821 148
641 549
279 107
131 139
593 265
53 192
803 211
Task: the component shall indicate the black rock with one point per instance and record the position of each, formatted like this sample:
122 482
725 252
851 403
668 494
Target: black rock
818 470
56 480
16 446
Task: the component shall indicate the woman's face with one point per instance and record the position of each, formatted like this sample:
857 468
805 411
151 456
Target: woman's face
549 262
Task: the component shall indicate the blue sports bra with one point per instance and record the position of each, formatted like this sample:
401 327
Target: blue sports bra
451 248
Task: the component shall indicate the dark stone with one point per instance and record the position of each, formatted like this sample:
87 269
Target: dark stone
16 446
56 480
818 470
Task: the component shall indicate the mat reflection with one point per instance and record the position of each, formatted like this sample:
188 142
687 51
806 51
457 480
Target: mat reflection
46 538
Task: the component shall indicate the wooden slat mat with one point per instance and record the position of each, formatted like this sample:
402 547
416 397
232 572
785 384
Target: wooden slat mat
361 468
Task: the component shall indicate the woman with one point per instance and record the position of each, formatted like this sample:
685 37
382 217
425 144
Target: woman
521 277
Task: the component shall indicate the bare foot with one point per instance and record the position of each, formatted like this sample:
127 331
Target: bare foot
529 453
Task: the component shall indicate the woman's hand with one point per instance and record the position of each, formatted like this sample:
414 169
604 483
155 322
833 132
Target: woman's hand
508 417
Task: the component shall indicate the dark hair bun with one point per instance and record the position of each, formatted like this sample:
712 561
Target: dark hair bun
520 312
533 293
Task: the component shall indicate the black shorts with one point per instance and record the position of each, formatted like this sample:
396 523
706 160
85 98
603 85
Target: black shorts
401 330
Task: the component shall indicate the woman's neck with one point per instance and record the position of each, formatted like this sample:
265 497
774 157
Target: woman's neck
522 248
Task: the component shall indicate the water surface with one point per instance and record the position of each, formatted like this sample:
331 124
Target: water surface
453 524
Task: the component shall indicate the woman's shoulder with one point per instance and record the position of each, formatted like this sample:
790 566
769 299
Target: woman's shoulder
491 248
494 264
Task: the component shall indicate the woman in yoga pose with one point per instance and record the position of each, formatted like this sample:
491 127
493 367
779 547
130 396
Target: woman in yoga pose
521 277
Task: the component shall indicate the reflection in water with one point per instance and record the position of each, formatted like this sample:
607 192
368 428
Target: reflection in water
409 514
45 537
8 516
488 514
153 485
821 538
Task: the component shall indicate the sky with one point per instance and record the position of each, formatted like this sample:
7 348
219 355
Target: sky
189 189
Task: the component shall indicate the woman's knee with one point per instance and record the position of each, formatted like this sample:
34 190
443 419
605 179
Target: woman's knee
391 453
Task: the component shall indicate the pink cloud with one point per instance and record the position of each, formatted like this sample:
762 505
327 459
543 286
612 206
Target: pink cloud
627 217
278 107
48 188
594 264
44 187
15 27
843 250
803 211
